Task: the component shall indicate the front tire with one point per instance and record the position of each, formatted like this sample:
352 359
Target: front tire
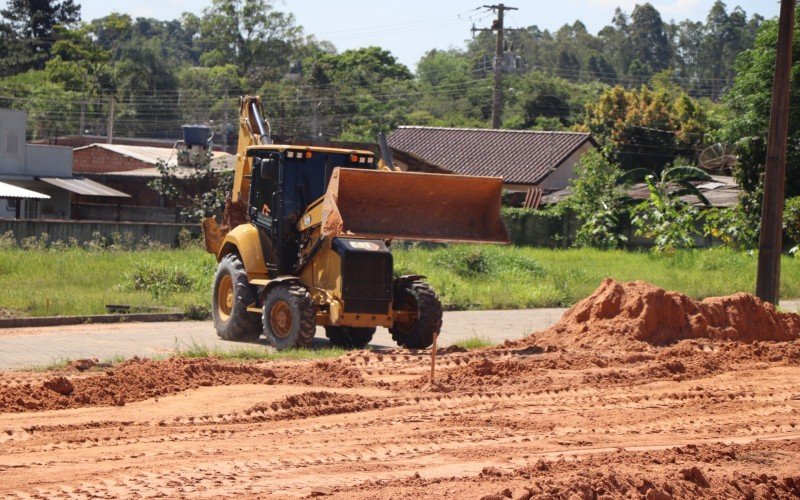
349 337
230 296
419 297
290 318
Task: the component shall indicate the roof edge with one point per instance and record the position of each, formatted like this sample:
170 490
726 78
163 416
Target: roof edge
503 130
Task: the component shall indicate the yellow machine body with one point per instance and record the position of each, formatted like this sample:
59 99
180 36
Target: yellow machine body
362 210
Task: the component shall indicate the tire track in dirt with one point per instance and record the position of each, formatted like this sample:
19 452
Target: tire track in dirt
549 419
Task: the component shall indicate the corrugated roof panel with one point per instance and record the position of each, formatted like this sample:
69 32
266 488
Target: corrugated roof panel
84 187
11 191
518 156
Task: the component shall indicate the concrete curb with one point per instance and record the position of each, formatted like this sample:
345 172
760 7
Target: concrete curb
99 318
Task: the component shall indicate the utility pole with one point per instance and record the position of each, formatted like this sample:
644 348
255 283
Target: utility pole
110 121
499 62
769 245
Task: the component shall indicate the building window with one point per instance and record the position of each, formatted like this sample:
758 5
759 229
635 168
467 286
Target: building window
11 205
12 144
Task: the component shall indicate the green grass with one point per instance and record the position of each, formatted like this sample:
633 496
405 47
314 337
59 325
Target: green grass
474 342
504 277
81 282
253 352
200 350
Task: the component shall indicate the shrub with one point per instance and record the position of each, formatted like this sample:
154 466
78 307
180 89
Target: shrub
597 200
7 240
791 219
159 279
188 239
733 227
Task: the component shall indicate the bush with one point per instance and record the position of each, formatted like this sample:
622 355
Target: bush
7 240
791 219
597 200
188 239
732 226
159 279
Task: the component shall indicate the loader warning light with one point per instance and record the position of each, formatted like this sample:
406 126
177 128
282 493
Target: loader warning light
308 154
354 158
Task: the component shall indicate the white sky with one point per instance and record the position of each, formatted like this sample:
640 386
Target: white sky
409 28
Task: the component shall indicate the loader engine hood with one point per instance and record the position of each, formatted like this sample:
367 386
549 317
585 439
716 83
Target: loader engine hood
413 206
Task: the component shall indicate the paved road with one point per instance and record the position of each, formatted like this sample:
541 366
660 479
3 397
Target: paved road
30 347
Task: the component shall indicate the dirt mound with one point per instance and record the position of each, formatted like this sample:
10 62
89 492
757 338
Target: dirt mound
621 312
333 373
315 404
134 380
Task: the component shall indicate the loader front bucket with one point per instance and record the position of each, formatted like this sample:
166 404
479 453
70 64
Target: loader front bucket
414 206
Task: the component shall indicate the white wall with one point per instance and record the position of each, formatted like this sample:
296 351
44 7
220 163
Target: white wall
48 161
12 141
566 171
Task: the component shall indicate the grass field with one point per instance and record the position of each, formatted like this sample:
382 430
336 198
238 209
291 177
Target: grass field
76 281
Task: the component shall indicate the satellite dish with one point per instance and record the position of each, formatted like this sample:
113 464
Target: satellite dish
719 158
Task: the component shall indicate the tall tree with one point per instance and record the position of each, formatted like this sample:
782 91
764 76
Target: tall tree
649 40
251 34
749 101
31 26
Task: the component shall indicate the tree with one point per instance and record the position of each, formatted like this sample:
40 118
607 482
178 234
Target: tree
749 102
649 40
647 128
31 28
251 34
199 190
598 202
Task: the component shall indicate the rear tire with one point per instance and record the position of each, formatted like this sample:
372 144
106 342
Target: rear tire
349 337
230 296
419 297
290 318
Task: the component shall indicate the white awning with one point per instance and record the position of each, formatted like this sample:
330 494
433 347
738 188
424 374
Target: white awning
85 187
11 191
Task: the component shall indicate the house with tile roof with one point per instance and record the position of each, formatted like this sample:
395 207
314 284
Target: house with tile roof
523 158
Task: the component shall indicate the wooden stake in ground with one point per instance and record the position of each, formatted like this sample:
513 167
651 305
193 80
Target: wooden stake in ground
433 356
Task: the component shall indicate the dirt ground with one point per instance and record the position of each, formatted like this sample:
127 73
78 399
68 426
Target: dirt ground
586 409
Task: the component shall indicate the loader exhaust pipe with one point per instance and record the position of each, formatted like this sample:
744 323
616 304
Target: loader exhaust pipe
414 206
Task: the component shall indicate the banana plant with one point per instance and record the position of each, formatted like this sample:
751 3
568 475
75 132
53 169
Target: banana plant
664 217
673 183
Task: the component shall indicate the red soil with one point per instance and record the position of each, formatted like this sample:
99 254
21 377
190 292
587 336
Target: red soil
638 311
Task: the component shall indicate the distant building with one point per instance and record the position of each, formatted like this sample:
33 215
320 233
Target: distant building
131 169
36 181
721 191
525 159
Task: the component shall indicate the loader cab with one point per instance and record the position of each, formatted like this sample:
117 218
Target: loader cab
284 181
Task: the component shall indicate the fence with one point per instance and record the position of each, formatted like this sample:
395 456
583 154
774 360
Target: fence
84 231
527 227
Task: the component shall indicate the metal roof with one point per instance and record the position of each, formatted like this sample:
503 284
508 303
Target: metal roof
152 155
518 156
11 191
722 191
85 187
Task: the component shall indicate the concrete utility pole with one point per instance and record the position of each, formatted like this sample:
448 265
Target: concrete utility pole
499 62
110 122
769 245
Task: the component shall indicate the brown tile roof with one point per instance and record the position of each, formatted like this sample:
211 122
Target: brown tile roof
518 156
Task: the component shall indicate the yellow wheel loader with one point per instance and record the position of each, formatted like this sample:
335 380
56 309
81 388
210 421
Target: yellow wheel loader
304 241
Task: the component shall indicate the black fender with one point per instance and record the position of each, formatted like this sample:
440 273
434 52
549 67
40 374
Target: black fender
275 282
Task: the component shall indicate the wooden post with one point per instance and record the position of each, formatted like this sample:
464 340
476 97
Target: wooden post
433 356
769 245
